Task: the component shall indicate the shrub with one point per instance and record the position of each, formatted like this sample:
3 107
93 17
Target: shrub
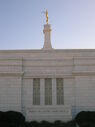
58 123
15 117
11 119
70 124
85 118
34 123
45 124
27 124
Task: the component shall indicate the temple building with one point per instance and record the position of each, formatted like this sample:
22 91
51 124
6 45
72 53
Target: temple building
47 84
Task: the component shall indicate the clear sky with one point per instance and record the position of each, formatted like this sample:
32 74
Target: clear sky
72 22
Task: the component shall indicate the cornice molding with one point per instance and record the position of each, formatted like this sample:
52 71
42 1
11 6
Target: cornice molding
86 73
45 51
11 73
11 58
27 76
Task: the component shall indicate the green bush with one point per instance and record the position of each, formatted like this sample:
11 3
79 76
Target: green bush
45 124
27 124
57 123
11 119
70 124
85 119
34 124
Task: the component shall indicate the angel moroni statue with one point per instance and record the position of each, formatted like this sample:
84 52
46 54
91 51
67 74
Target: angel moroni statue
46 16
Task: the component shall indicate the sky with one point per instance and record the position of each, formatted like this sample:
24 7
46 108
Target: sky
72 23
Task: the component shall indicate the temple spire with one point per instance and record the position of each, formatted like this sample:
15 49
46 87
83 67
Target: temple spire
47 34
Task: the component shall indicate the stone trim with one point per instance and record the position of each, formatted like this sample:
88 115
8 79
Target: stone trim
11 73
48 76
42 51
83 73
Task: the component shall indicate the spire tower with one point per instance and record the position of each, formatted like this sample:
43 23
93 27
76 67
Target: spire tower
47 34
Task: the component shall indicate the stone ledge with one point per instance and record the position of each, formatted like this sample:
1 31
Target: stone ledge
11 73
29 76
86 73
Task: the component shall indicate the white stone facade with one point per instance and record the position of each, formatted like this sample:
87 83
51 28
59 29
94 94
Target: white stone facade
47 84
18 68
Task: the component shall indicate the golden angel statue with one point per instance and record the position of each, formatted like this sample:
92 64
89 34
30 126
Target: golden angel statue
46 16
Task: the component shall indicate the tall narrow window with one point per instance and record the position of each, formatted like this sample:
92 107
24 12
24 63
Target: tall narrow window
48 91
59 90
36 91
